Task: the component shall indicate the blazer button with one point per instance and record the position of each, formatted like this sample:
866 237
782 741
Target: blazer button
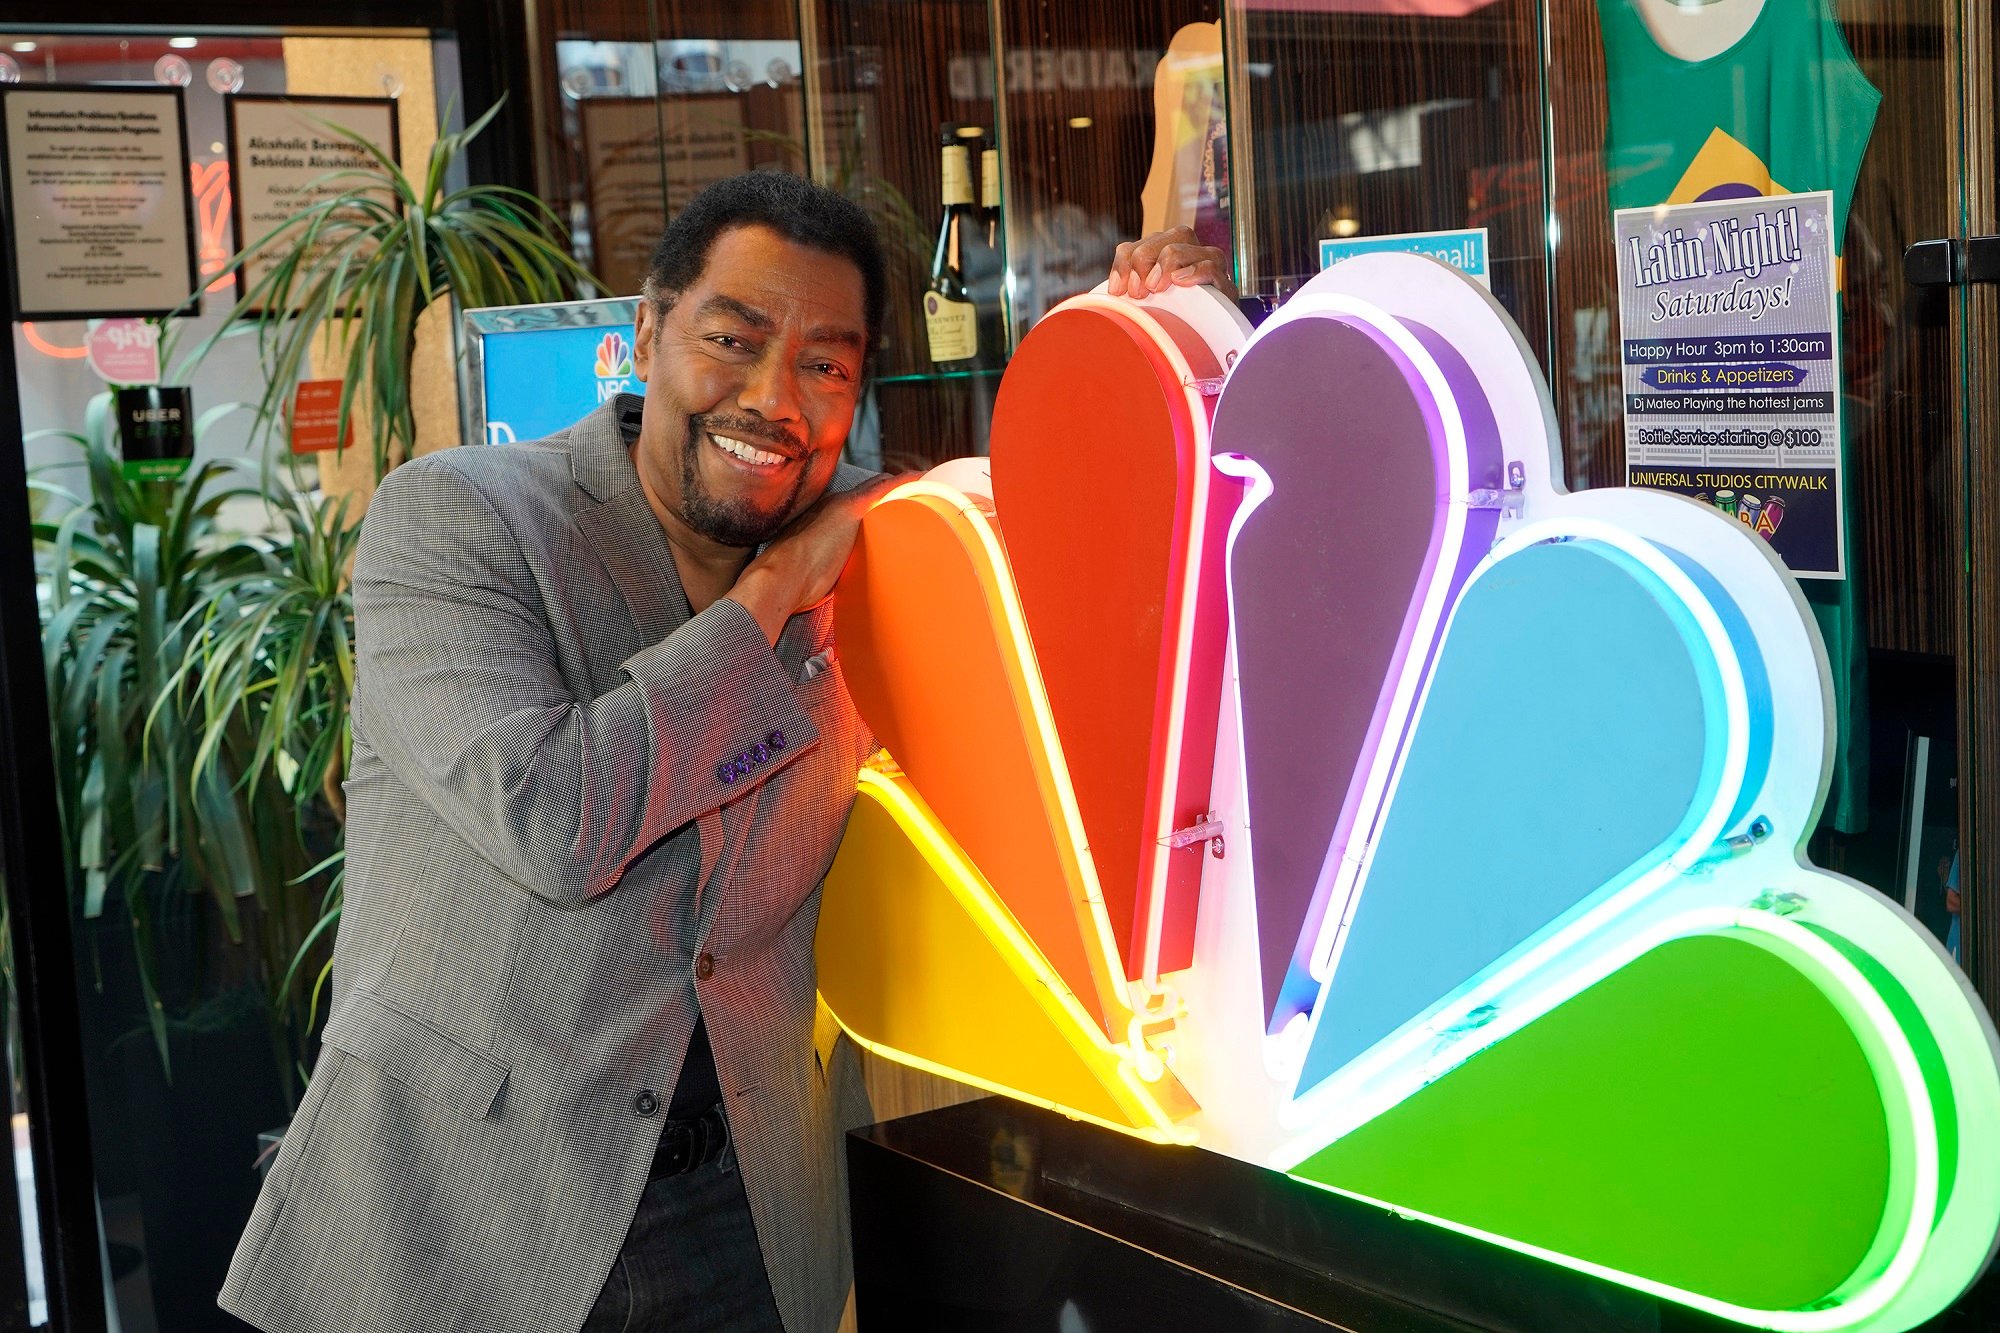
743 764
647 1103
776 740
760 752
704 967
725 773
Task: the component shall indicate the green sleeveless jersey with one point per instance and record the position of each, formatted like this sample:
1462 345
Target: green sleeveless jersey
1784 110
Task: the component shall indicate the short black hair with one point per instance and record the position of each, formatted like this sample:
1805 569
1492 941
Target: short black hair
798 209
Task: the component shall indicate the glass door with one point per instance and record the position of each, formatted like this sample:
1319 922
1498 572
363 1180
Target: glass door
1975 302
1655 105
1887 107
193 916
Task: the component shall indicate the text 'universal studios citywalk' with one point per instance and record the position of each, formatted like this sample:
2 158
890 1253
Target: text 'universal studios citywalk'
1732 365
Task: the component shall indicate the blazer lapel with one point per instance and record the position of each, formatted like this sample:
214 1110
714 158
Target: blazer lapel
627 538
633 550
622 528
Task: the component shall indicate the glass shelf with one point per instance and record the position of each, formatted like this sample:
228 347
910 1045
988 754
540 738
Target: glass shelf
940 376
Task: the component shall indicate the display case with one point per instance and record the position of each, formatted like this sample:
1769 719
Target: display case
1105 123
1284 130
888 84
1264 130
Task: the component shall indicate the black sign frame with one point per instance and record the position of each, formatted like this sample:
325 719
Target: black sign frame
190 306
394 148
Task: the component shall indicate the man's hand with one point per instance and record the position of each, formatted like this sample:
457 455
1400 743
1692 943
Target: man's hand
1171 258
797 570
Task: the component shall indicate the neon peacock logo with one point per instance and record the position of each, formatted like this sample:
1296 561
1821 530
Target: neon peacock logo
1311 778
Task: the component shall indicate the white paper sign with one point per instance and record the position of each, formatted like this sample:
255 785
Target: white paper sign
286 155
1731 338
97 209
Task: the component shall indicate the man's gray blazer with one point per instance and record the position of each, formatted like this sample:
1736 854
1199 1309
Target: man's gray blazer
551 855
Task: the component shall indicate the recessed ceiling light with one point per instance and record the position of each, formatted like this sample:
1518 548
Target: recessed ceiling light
1081 122
181 43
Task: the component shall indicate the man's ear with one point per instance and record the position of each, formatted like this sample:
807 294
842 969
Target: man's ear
645 331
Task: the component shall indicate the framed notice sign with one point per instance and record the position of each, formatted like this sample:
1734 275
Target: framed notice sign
1731 345
95 192
288 153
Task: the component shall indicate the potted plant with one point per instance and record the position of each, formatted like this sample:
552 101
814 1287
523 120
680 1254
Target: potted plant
123 569
174 827
270 669
362 264
352 274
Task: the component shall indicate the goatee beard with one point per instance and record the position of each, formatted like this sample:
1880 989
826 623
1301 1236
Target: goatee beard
730 522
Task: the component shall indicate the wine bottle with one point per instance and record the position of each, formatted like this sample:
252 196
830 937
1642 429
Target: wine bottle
989 284
989 196
950 318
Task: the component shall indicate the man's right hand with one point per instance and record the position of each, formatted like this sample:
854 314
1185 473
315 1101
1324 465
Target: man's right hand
799 567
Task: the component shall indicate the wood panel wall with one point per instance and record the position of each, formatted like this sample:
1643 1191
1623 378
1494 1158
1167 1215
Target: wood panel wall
363 67
1583 358
1899 365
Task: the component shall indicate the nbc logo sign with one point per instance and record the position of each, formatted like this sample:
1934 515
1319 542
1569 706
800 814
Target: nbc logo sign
614 366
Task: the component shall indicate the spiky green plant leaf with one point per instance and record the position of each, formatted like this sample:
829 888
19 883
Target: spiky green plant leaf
363 262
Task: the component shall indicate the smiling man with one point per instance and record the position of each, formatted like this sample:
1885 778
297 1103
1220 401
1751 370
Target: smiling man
602 758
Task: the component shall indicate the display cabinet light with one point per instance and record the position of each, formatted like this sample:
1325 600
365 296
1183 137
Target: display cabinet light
182 43
24 47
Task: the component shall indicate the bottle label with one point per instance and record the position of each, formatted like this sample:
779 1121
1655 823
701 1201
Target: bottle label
953 328
957 176
989 179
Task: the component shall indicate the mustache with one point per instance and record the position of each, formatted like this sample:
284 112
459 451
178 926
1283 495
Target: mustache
750 429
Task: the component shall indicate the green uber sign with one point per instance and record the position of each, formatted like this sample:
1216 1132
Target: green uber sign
156 431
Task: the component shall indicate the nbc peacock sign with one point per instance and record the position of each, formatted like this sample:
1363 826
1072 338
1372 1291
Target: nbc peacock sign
1278 759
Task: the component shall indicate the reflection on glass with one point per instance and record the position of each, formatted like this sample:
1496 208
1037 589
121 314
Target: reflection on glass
892 84
647 125
1356 119
1116 126
1747 98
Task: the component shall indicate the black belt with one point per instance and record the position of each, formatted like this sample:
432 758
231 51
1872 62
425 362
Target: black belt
687 1144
